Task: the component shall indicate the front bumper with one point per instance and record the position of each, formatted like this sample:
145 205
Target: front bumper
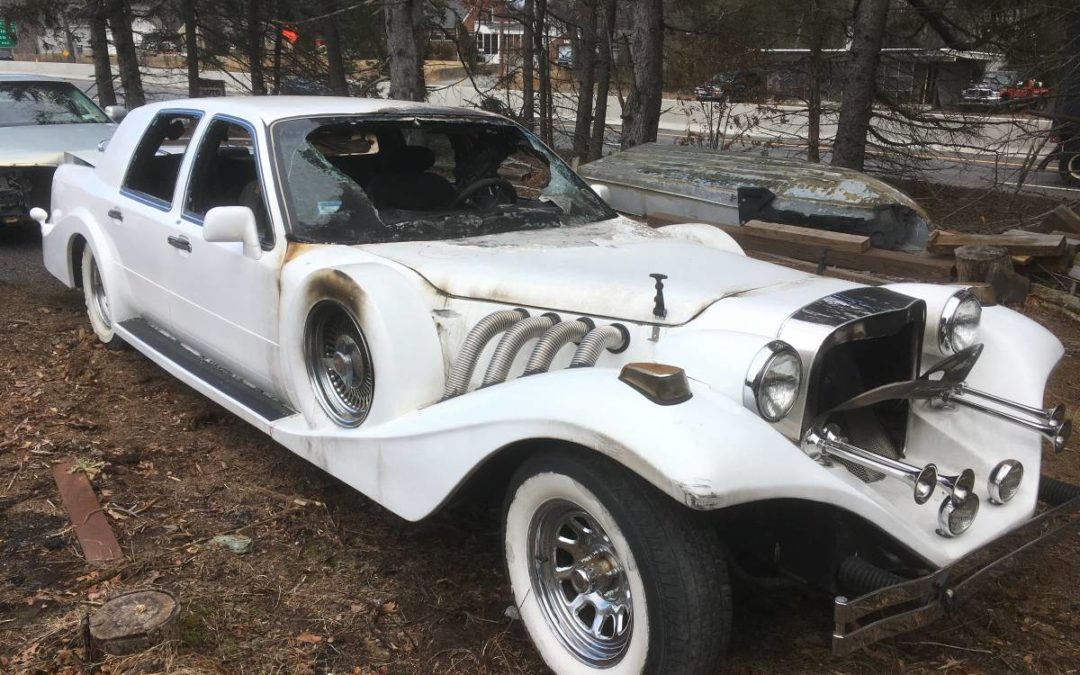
918 602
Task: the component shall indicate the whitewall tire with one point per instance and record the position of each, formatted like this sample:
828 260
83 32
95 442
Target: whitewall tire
98 308
610 575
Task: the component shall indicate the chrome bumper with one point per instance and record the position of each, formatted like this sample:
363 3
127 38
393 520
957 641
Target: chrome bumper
913 604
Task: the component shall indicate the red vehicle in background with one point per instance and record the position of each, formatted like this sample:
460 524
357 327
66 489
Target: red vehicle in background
1026 92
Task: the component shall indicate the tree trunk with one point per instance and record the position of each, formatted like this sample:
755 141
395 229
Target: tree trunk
585 64
857 103
126 58
603 80
543 64
255 47
334 59
814 76
99 43
190 15
405 37
528 59
641 113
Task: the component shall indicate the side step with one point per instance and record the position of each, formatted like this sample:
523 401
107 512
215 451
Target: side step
212 375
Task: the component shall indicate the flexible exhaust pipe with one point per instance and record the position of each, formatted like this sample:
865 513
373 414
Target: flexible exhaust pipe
553 340
614 338
510 344
485 329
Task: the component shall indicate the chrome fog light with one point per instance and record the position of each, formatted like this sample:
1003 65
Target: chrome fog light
1005 481
957 515
773 380
959 322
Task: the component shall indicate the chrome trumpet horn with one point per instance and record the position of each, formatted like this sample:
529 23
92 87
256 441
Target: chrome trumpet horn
1051 423
828 443
960 485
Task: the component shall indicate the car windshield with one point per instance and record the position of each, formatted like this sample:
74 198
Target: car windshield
34 103
371 179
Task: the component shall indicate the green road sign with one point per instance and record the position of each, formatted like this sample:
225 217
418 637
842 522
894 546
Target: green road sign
7 34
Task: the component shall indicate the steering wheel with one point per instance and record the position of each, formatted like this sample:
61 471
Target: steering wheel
498 190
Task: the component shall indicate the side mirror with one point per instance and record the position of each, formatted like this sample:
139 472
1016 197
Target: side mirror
116 113
233 224
602 191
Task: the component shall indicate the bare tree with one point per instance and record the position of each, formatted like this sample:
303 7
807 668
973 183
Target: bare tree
857 103
335 60
606 24
641 112
528 61
126 56
255 38
585 56
190 14
406 33
99 43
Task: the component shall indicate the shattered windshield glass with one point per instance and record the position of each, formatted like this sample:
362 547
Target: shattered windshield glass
371 179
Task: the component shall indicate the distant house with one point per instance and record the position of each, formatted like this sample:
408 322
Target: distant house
499 34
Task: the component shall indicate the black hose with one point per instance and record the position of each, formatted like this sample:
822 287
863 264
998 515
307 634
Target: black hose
857 577
1055 492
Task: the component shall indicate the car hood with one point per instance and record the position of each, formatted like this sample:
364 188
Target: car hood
600 270
45 144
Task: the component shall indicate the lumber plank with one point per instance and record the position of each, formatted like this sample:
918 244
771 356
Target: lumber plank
87 519
836 241
944 242
880 261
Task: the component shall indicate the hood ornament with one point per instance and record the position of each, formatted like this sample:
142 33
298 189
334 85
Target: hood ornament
659 310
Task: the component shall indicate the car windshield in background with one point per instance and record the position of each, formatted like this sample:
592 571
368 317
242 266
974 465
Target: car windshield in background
34 103
361 180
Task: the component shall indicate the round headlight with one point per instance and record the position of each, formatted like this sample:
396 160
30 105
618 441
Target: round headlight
957 515
1005 481
772 382
959 322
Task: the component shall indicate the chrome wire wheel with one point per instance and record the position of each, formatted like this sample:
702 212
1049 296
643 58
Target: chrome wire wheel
580 583
1073 168
339 363
99 299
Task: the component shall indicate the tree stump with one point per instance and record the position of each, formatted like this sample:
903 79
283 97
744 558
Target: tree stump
991 265
133 622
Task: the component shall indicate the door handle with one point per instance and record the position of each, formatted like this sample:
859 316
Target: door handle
116 214
181 243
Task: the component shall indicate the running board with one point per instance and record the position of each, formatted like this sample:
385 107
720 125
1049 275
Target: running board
207 377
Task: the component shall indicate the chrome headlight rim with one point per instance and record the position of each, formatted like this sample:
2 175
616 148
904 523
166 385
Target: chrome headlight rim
999 490
965 510
760 365
947 323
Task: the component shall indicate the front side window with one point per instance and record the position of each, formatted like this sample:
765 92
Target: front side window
38 103
225 173
359 180
155 165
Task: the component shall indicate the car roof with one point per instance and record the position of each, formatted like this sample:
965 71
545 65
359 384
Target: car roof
272 108
26 77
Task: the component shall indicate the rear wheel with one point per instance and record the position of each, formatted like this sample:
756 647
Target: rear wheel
611 575
339 363
97 301
1069 167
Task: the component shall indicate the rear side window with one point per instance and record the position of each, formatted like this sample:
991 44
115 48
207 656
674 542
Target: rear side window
155 165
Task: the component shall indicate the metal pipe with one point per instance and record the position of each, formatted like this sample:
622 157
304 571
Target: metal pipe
1058 435
485 329
553 340
614 338
1054 416
512 341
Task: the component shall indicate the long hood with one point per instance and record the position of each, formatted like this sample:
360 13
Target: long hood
45 144
600 270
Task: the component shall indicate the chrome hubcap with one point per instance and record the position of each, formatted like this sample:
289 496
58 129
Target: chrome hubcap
580 582
339 364
97 292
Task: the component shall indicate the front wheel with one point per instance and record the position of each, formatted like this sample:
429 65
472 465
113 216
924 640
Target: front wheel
611 575
97 301
1069 167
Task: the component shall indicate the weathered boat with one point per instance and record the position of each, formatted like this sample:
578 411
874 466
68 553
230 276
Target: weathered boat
699 184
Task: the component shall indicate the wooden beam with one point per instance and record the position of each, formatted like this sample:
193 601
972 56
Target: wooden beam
87 519
835 241
943 242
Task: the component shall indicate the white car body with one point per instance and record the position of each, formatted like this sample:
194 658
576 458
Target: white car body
417 301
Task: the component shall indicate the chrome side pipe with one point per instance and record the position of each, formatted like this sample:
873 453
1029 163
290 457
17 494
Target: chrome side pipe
826 444
1051 423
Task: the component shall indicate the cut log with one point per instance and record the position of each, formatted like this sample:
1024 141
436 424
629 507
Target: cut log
134 621
991 265
943 242
1062 218
835 241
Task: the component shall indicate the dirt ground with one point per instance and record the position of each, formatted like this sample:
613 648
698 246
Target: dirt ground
335 584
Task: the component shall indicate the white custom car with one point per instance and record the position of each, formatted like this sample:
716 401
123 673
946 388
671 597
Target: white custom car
41 119
426 301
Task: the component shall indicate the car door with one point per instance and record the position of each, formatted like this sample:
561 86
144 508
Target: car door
139 212
224 304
